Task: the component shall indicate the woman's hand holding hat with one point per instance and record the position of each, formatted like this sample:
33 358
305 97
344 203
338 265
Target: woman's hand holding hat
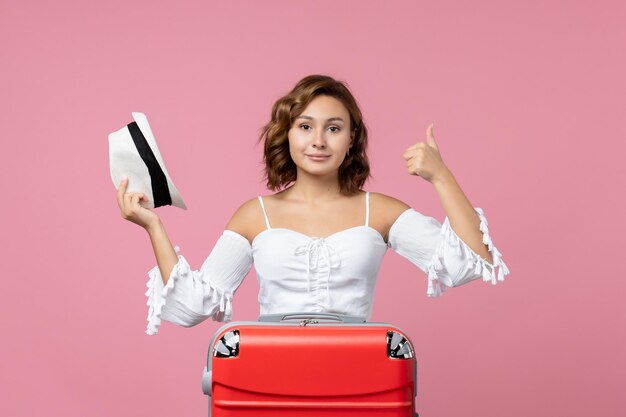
423 159
131 210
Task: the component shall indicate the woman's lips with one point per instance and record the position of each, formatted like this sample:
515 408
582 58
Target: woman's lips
318 157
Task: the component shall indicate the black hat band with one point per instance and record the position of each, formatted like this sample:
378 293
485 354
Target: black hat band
160 190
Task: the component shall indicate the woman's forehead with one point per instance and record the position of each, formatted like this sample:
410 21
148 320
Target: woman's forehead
325 108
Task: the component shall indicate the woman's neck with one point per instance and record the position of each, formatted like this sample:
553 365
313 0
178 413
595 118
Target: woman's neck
311 188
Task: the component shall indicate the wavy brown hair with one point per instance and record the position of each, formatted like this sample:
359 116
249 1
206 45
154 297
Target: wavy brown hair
280 170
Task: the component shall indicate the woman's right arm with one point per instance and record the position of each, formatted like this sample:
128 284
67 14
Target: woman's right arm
163 250
176 292
132 211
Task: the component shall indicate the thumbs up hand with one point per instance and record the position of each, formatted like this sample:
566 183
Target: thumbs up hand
423 159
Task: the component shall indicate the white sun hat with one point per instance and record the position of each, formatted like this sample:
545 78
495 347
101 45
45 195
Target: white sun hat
133 153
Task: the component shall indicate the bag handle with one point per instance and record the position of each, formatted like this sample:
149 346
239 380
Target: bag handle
277 318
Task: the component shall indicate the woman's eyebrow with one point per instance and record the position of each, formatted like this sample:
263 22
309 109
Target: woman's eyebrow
332 119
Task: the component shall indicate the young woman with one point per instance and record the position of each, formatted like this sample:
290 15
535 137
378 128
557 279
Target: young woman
318 242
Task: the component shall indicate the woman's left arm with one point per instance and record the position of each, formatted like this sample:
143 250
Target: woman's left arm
461 214
423 159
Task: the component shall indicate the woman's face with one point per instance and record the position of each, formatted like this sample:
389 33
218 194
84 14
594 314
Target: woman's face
320 137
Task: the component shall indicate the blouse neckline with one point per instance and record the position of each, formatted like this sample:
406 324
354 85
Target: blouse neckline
330 236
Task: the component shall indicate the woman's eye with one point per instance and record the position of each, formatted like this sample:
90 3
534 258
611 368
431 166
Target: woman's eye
305 127
334 129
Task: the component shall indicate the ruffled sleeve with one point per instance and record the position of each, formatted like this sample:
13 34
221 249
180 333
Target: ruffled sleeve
190 296
438 251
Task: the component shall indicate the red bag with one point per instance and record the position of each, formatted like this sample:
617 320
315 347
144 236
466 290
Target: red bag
317 365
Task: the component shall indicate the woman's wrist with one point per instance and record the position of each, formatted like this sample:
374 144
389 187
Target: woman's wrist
154 227
444 178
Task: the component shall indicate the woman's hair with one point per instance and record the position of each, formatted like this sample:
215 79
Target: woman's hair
280 170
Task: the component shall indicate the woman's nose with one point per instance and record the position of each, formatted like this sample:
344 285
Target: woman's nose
319 141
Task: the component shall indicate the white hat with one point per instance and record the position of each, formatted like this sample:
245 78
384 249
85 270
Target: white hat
133 153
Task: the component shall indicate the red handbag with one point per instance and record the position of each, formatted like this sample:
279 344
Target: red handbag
310 364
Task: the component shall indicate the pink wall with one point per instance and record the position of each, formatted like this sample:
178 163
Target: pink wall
528 101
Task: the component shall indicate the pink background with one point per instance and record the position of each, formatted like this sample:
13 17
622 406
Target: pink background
528 101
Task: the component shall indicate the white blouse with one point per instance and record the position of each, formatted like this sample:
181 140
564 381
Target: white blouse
334 274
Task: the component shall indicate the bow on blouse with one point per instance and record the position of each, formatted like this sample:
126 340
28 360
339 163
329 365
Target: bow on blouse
317 249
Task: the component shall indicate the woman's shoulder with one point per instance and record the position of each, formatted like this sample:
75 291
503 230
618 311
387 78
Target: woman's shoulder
388 204
247 220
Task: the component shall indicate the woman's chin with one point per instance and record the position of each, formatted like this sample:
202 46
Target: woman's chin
319 171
